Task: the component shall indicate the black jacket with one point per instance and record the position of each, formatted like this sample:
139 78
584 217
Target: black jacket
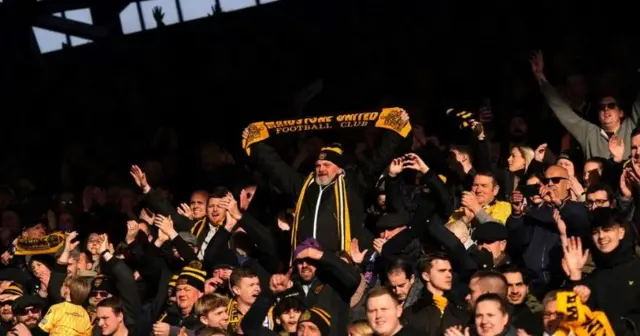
319 204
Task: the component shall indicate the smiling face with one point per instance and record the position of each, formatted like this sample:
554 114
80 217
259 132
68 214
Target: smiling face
326 172
215 213
610 114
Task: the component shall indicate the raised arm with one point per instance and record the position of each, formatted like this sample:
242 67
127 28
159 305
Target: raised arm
578 127
285 178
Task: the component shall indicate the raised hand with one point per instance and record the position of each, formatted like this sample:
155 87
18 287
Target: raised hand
279 283
616 148
132 231
537 66
68 244
627 182
310 253
457 331
415 162
356 254
574 257
378 245
185 210
230 204
165 224
395 167
158 15
140 178
470 201
104 243
561 225
147 216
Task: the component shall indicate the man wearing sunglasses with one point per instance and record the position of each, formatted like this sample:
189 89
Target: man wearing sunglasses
27 310
594 139
533 233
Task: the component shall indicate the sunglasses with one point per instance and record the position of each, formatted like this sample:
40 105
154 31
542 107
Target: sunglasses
608 106
102 294
6 303
31 310
554 180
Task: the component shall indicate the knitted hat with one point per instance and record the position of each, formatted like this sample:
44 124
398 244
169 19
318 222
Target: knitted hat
172 283
193 276
307 243
13 289
319 317
332 153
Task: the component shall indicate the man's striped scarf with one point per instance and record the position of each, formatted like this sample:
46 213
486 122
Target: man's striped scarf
342 207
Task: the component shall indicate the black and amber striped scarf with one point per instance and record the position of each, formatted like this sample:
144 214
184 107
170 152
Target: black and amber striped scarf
342 211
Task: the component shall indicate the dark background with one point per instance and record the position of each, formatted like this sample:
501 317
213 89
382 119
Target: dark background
208 78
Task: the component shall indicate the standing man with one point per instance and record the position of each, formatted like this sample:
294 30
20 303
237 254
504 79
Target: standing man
330 208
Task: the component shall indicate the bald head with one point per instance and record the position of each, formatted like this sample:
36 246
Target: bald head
198 203
555 170
557 183
484 282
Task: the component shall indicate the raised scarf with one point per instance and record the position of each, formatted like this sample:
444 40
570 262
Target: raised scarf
389 118
44 245
342 214
579 319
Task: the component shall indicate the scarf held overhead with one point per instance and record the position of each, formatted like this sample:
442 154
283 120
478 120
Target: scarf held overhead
579 319
342 210
43 245
389 118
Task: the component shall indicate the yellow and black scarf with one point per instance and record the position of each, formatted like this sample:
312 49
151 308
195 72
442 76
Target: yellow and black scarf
199 225
235 317
579 319
43 245
342 214
389 118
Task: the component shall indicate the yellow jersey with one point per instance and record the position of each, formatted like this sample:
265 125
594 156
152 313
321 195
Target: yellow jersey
66 319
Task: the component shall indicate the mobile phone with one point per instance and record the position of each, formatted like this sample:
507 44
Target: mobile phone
529 190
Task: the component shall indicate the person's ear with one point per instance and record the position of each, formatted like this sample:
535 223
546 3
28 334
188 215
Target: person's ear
496 189
503 245
425 276
620 232
204 319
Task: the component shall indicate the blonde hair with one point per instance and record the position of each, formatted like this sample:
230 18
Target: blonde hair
210 302
79 289
527 153
458 227
362 328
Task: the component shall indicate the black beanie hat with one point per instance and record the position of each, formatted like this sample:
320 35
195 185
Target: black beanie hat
332 153
319 317
192 275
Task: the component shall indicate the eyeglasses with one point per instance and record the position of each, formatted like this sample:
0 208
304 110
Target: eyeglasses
100 293
598 202
608 106
553 179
